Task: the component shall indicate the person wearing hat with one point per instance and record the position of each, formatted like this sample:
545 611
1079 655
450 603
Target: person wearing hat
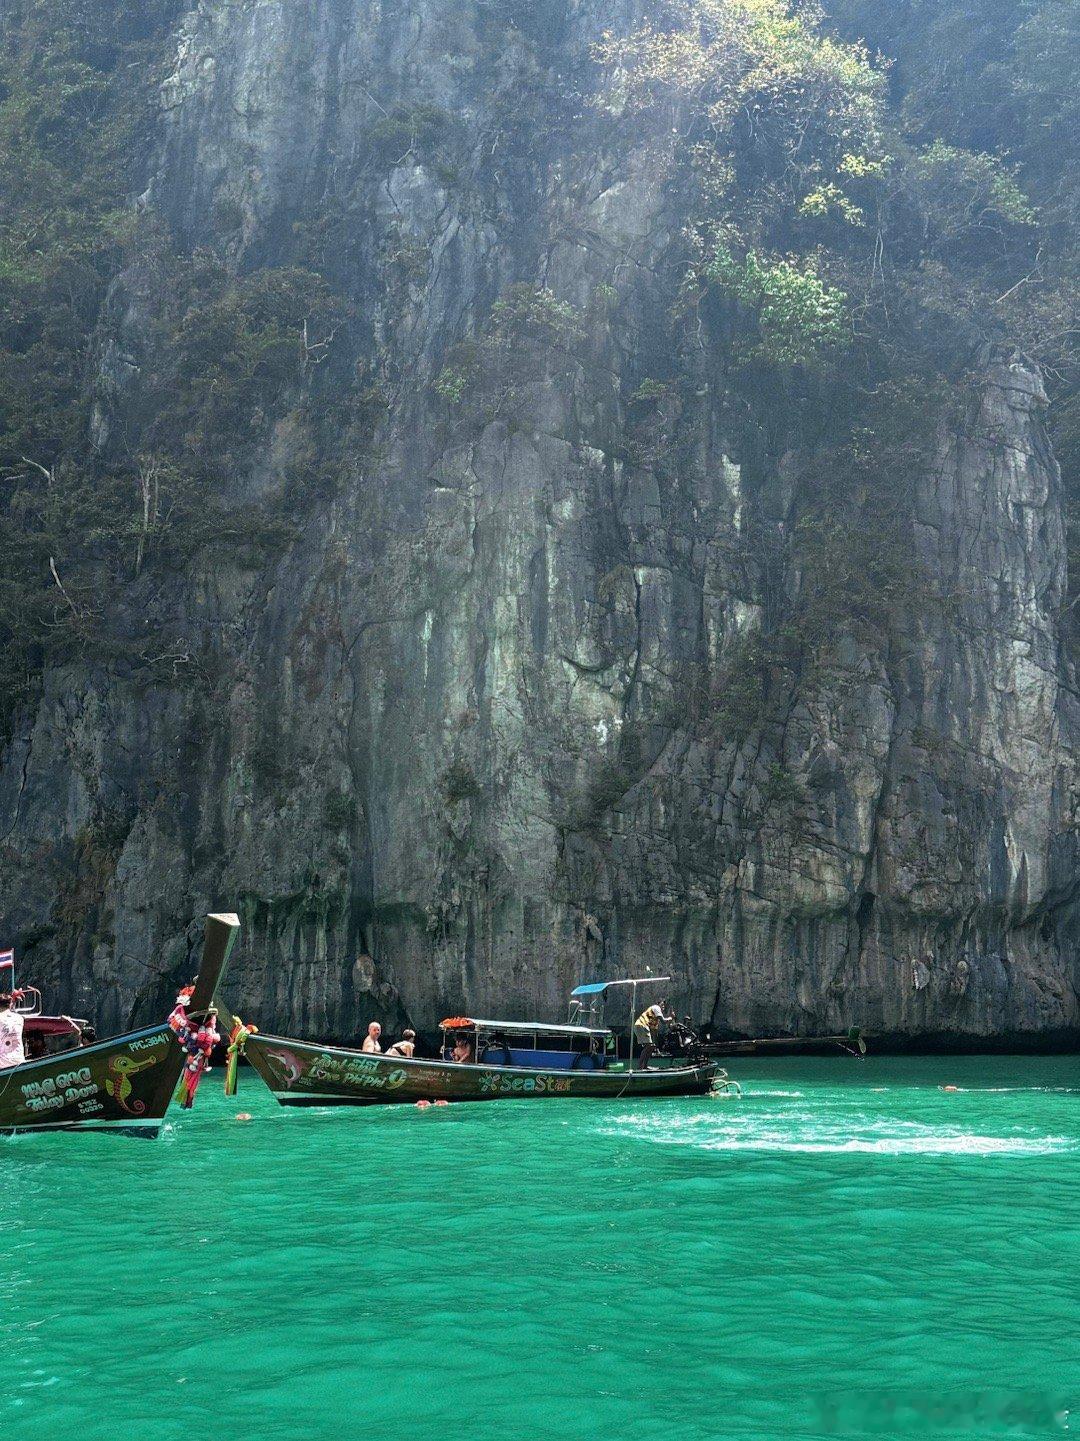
647 1031
11 1033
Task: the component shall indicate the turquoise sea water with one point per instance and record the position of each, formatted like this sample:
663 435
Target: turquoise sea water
847 1250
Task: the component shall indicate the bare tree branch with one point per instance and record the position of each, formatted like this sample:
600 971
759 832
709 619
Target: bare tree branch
74 608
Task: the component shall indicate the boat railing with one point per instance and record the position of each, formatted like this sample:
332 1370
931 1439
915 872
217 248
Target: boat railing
594 994
29 1002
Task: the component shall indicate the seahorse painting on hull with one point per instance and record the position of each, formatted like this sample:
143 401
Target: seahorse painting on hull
118 1084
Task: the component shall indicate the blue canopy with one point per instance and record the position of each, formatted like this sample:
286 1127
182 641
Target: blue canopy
595 987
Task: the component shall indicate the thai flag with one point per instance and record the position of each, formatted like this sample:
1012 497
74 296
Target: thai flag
7 960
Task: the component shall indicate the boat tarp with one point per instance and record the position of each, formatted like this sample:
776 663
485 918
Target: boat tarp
52 1026
540 1028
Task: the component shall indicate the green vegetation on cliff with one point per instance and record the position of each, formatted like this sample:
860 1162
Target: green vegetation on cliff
869 192
986 100
84 510
849 228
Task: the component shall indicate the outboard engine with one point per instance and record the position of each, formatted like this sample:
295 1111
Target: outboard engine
680 1039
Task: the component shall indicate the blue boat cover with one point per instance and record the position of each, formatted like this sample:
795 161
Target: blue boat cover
541 1060
592 990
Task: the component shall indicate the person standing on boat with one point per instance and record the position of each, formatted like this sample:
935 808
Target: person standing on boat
11 1034
371 1040
647 1031
405 1047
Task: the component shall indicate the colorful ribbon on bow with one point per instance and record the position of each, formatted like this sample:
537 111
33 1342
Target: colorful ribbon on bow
237 1036
198 1041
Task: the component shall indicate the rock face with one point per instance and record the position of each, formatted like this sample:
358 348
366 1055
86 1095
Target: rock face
441 751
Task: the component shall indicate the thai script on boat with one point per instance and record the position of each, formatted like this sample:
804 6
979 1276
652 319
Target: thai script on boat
53 1092
356 1070
493 1083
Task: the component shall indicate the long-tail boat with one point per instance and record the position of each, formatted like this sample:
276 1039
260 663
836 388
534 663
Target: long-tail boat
496 1060
852 1043
124 1084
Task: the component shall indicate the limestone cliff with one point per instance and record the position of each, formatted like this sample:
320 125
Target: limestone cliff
473 732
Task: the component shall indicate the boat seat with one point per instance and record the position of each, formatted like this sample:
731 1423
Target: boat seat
540 1060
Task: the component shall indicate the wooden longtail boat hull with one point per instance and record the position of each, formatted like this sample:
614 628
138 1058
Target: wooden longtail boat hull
124 1084
299 1073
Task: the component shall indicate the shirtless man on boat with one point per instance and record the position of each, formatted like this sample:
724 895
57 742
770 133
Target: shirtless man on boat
464 1051
371 1040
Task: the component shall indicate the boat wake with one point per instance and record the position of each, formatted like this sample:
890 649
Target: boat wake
915 1146
804 1132
1016 1090
774 1095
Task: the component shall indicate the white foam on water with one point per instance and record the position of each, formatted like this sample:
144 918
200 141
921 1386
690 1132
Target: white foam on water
1009 1090
808 1132
904 1146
